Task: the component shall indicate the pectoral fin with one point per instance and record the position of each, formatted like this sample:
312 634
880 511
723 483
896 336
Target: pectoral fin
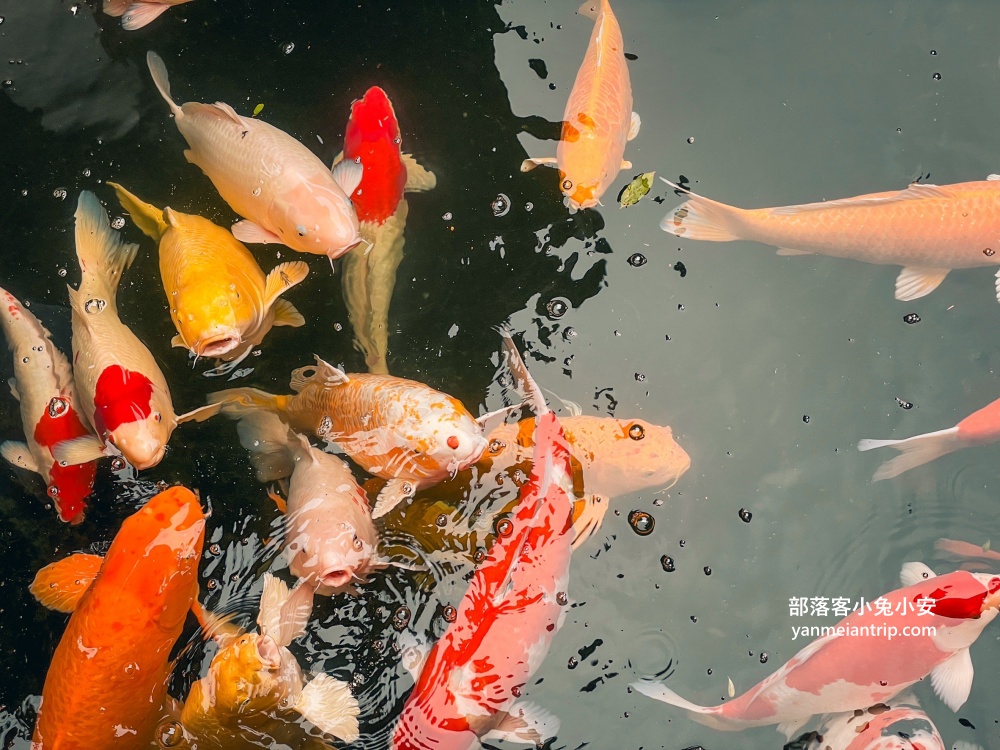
625 164
284 614
283 277
12 384
525 722
330 706
997 287
418 179
18 454
394 492
348 175
915 572
915 282
79 450
590 519
633 127
952 679
141 14
60 585
285 314
200 414
178 341
546 161
248 231
793 251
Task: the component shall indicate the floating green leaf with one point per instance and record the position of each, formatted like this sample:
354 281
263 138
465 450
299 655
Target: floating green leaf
258 109
636 189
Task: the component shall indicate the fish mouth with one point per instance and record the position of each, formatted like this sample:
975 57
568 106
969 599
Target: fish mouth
219 344
337 577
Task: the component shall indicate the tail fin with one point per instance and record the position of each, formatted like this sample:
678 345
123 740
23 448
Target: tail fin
237 402
159 72
266 437
147 217
102 254
702 219
660 692
916 451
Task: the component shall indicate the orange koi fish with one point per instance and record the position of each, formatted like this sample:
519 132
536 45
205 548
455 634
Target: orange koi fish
598 120
927 229
107 684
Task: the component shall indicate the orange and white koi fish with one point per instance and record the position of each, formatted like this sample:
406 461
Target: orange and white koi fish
394 428
897 725
599 119
107 684
255 687
282 189
122 390
370 273
860 663
220 301
43 384
137 13
330 538
927 229
979 428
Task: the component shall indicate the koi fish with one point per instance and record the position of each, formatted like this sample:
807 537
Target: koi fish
43 384
979 428
137 13
123 394
505 622
330 538
107 684
927 229
220 301
598 120
255 687
369 276
899 725
857 666
394 428
282 189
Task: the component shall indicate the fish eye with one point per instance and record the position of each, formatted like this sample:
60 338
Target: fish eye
157 417
636 432
567 184
453 442
358 544
301 230
497 445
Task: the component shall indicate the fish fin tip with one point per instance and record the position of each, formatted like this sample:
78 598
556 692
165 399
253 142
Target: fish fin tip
61 585
914 451
282 278
177 342
952 679
525 722
286 314
418 178
18 454
633 126
99 248
789 251
115 8
228 112
595 507
590 9
158 70
330 706
200 414
254 234
915 572
347 174
915 282
658 691
700 218
150 219
81 450
544 161
392 494
138 15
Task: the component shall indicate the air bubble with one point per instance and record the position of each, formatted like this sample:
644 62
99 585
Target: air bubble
447 216
639 377
763 657
288 48
911 318
94 306
805 418
562 599
529 206
745 515
169 734
59 193
325 426
401 617
86 172
637 259
641 522
668 563
501 205
708 570
904 404
479 555
936 76
441 521
58 406
569 334
215 550
449 613
338 327
504 527
117 463
691 139
557 307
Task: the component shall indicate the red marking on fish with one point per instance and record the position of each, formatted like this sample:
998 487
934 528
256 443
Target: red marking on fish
981 426
121 396
373 136
73 483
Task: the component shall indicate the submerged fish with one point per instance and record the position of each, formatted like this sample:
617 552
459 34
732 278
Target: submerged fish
255 687
220 301
858 665
394 428
43 384
927 229
504 624
137 13
282 189
899 725
370 273
123 393
107 684
979 428
330 538
598 120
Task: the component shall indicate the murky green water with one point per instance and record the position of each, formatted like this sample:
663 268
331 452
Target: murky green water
756 104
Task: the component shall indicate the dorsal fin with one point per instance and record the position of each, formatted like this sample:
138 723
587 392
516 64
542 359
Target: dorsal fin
322 372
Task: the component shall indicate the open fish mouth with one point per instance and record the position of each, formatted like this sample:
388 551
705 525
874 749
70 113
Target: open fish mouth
216 346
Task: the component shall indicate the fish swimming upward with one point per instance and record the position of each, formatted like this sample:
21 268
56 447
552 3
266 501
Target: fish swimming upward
858 665
107 684
598 120
137 13
43 384
897 725
370 273
330 538
505 623
123 393
397 429
255 687
220 301
927 229
282 189
979 428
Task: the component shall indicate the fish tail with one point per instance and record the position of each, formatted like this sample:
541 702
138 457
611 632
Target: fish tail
700 218
266 437
102 254
147 217
915 451
658 691
159 72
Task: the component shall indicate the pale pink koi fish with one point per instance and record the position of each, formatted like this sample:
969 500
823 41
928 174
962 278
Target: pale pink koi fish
137 13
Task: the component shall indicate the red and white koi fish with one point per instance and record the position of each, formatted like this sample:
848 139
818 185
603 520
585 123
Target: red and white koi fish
394 428
123 393
107 684
282 189
599 119
856 665
506 621
137 13
43 384
927 229
899 725
979 428
370 273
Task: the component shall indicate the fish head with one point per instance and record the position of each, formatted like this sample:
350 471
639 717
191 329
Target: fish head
991 600
247 673
333 555
133 414
449 438
154 557
143 441
372 119
620 456
317 219
579 193
209 324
